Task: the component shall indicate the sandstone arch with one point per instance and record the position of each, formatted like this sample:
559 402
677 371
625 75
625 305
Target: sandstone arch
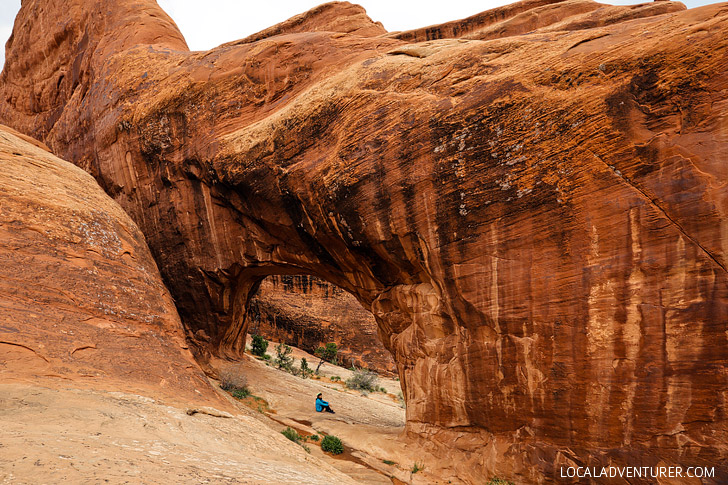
537 221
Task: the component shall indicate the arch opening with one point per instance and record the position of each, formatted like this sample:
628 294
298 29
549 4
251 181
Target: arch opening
306 312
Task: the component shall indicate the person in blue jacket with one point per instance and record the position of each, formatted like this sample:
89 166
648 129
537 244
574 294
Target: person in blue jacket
322 405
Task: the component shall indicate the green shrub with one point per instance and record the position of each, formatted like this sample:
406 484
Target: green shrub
240 392
259 345
417 467
314 437
283 358
266 356
499 481
388 462
363 380
335 378
332 444
292 435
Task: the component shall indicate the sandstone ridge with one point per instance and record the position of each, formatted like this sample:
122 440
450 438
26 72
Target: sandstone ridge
81 296
532 203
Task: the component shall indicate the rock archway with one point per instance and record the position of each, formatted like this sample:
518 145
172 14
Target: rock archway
536 221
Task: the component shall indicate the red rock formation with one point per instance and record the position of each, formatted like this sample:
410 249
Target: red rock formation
537 221
307 312
80 295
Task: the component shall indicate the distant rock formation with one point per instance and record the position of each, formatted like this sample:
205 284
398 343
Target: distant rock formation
308 312
80 295
532 205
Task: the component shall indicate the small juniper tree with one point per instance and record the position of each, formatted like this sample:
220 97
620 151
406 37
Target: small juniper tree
259 345
283 357
305 369
326 354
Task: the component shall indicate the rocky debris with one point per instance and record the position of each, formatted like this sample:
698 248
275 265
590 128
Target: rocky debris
81 296
537 220
308 312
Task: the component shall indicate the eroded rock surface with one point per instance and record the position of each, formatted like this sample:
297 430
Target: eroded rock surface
533 205
308 312
81 298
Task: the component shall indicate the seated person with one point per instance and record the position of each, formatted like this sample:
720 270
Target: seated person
322 405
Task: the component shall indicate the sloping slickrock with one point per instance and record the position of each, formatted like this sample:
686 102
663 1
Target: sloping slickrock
72 435
308 312
81 298
536 220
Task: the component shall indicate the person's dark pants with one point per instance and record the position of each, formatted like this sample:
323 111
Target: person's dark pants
328 409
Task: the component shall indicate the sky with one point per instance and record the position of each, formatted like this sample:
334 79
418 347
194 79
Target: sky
213 22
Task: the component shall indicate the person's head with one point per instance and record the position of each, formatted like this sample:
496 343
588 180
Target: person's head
319 396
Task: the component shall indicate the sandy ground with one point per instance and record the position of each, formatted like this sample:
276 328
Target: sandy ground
368 425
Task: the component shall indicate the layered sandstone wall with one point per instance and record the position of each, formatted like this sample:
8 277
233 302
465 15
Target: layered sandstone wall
537 220
308 312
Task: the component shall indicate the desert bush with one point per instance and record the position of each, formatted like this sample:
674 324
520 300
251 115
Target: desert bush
388 462
335 378
363 380
283 358
259 345
417 467
292 435
232 377
499 481
240 392
332 444
314 437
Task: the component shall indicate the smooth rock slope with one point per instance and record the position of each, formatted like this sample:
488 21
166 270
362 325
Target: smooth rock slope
81 299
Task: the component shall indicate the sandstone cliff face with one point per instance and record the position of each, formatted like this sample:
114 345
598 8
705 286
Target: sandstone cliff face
308 312
537 220
80 295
